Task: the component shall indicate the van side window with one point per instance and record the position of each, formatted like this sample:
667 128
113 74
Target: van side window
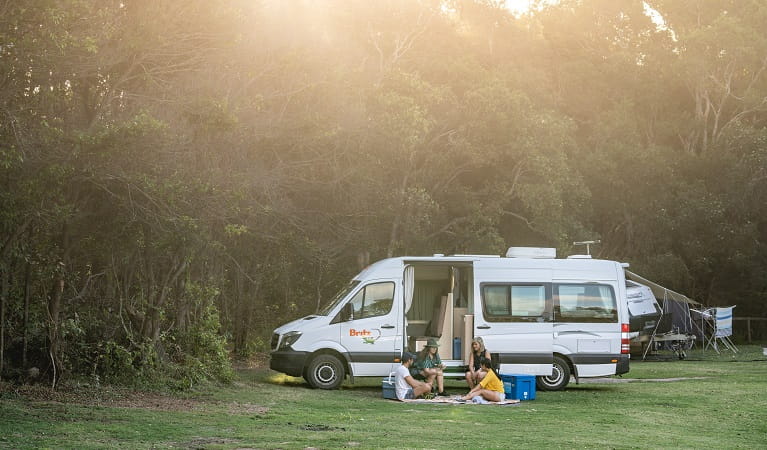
508 303
373 300
584 303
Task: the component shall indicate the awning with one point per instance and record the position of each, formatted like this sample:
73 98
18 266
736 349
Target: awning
659 291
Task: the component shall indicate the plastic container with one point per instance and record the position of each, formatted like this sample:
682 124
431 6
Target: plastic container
519 387
457 348
388 387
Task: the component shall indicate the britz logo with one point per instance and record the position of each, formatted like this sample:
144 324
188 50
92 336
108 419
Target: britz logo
366 335
353 332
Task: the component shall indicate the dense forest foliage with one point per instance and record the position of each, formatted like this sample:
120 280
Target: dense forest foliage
179 177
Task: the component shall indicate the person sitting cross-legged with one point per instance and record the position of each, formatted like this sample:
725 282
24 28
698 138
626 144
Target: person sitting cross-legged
490 389
474 372
405 385
429 365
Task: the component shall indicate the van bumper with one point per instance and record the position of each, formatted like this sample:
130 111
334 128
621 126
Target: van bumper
623 365
289 362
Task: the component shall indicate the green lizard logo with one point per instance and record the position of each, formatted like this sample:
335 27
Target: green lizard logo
372 340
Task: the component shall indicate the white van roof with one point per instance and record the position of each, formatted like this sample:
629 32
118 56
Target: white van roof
531 252
593 269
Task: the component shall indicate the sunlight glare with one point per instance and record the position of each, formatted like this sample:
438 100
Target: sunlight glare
657 19
518 7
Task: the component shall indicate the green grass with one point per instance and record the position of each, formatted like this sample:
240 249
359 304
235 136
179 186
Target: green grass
726 407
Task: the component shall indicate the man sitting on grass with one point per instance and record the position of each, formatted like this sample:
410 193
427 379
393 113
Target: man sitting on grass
405 385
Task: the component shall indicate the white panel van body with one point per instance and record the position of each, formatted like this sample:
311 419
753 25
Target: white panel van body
537 315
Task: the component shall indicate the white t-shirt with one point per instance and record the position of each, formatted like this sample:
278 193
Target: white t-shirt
400 383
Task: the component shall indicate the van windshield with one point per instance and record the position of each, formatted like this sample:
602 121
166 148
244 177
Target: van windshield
324 311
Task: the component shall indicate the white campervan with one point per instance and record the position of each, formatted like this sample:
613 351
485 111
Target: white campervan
537 315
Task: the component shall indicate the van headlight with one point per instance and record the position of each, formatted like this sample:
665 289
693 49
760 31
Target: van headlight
289 339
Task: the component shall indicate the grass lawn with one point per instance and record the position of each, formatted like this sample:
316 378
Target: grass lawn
721 402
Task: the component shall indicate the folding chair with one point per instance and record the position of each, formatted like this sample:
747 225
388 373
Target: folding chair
722 329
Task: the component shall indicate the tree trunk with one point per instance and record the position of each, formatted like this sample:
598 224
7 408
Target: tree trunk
363 259
241 314
318 288
27 282
5 275
54 309
394 235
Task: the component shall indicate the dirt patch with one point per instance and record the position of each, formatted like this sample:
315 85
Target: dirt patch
205 442
247 408
256 361
114 397
153 401
320 427
635 380
98 396
86 394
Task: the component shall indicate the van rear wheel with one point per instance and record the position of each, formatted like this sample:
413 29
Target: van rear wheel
325 372
559 378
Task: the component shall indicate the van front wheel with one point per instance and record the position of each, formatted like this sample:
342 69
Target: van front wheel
325 372
559 378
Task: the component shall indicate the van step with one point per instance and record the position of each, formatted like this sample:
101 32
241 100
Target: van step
454 368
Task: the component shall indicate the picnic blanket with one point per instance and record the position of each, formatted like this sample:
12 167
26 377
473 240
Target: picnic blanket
459 401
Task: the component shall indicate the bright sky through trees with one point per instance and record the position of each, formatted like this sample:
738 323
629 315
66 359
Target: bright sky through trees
518 6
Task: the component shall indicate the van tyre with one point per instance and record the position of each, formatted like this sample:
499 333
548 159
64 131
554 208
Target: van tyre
559 378
325 372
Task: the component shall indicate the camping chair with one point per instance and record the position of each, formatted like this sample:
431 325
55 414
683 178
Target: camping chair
722 328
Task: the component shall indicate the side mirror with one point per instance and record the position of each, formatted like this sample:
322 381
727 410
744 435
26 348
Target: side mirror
346 314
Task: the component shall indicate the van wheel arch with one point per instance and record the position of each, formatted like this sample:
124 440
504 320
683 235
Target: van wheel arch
562 369
326 369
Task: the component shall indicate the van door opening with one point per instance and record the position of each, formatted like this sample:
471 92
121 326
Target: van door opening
440 308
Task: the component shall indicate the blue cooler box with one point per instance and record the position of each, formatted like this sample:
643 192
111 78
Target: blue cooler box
388 387
519 387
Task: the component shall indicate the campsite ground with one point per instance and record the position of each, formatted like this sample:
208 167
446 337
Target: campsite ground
716 401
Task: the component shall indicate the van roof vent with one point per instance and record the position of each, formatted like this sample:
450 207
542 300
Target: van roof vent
579 257
531 252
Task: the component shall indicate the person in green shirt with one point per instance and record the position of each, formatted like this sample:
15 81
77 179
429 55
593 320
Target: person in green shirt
429 365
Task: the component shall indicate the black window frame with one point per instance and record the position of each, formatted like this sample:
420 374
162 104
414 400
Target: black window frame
545 316
363 290
557 313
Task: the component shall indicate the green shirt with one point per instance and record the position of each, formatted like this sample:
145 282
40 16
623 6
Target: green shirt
428 362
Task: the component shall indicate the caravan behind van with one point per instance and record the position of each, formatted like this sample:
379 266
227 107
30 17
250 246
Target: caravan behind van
537 315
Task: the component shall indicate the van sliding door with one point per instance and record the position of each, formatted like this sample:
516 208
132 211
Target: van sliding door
514 320
586 326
